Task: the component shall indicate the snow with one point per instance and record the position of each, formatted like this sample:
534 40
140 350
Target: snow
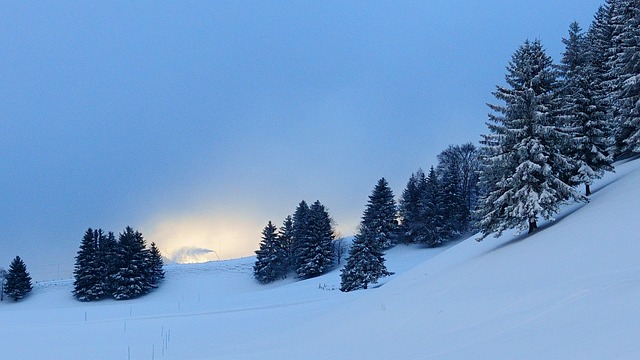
570 290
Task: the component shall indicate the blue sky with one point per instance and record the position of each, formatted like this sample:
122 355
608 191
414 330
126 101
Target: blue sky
198 122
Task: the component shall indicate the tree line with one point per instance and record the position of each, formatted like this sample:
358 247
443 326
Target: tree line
121 269
557 127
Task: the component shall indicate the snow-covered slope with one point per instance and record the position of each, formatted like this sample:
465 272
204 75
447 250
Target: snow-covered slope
571 290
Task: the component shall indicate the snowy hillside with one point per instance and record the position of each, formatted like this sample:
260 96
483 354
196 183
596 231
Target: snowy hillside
570 291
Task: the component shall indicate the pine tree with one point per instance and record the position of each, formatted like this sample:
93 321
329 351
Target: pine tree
88 272
130 279
300 231
380 215
365 264
378 230
523 151
435 227
455 212
315 250
411 225
107 255
583 115
154 266
285 236
271 258
624 66
18 281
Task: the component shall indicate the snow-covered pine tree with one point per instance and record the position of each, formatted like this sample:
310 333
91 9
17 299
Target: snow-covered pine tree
107 247
365 264
411 224
624 66
381 215
600 50
454 208
18 280
316 248
582 113
131 274
285 235
300 223
522 161
154 266
88 271
271 258
436 228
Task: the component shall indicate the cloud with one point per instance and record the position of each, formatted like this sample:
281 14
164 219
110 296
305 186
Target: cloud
189 255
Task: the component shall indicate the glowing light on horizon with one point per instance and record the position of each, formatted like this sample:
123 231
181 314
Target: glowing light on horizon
203 237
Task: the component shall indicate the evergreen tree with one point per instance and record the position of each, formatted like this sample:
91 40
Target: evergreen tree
436 230
130 279
523 150
365 264
315 250
455 212
624 66
411 225
300 231
17 281
88 271
380 215
271 258
285 236
154 266
107 255
582 112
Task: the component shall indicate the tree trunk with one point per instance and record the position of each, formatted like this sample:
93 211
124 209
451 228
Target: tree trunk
533 225
587 189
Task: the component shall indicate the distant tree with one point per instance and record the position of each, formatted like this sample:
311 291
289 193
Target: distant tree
18 280
316 247
154 266
411 222
285 235
271 258
88 272
435 229
378 230
3 277
130 280
523 164
300 231
458 167
582 112
107 254
340 247
381 215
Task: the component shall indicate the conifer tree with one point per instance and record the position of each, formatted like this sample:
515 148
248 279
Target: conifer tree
107 254
436 229
88 271
365 264
582 113
271 258
154 266
18 280
523 151
315 250
411 224
285 236
380 215
624 67
130 279
300 231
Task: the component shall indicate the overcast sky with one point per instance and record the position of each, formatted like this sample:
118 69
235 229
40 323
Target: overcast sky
198 122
